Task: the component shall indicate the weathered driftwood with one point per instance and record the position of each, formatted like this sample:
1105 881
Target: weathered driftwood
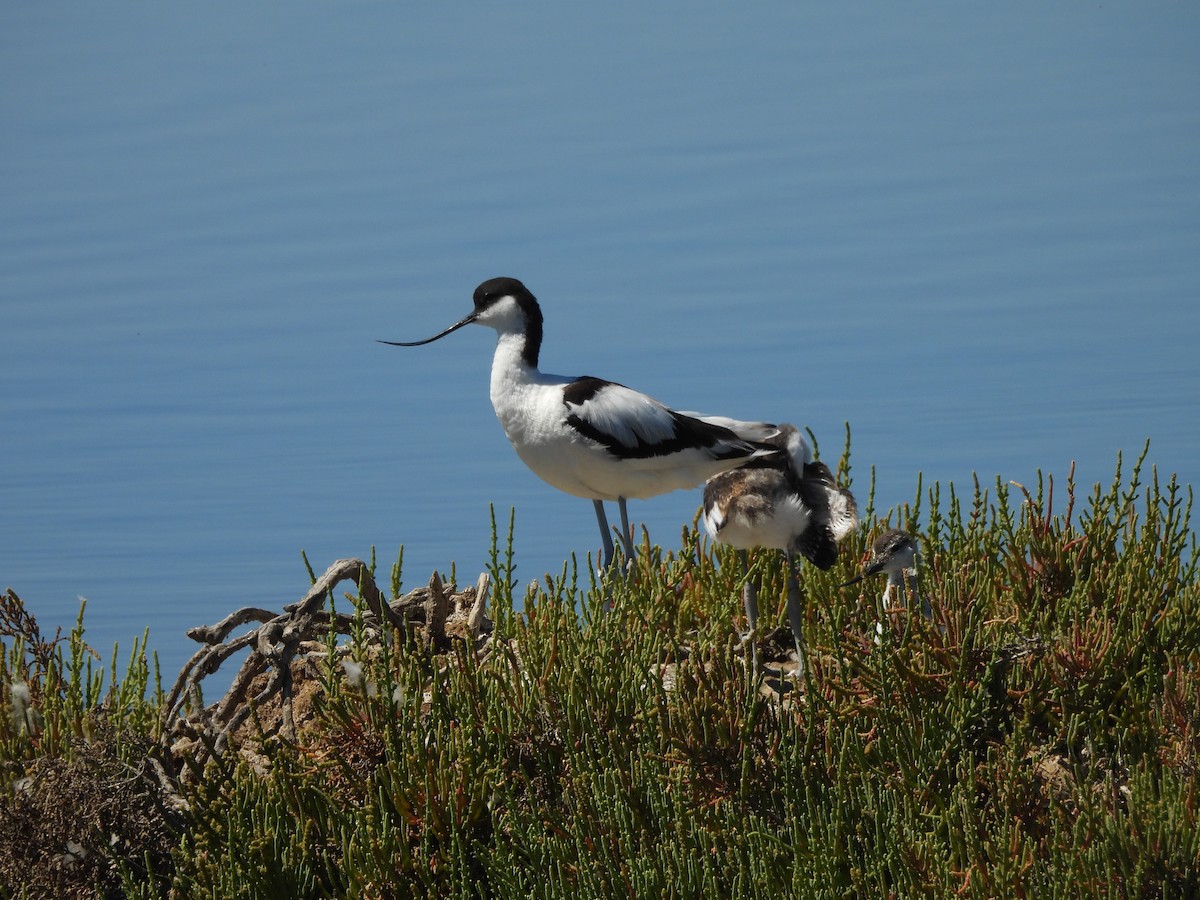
280 640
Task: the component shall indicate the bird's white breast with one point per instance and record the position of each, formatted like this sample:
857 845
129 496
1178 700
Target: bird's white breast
759 520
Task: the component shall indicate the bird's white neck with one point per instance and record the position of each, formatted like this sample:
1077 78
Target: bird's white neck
510 368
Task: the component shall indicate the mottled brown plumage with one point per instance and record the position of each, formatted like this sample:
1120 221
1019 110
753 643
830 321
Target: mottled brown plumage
787 502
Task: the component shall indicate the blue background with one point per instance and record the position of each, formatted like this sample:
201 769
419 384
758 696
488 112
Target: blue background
970 231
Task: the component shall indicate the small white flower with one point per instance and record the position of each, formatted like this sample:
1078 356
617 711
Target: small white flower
353 670
24 717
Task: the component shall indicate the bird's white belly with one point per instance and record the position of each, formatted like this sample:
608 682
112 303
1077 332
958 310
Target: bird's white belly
745 529
534 419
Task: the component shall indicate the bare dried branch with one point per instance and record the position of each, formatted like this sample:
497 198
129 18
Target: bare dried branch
278 641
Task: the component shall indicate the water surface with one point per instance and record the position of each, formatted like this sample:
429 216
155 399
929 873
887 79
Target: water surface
971 233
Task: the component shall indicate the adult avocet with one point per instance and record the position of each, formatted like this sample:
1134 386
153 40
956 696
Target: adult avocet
590 437
895 553
789 502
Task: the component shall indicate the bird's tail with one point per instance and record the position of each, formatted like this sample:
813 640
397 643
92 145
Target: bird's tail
755 432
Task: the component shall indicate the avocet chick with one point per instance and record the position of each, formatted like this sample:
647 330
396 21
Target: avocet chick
895 553
788 502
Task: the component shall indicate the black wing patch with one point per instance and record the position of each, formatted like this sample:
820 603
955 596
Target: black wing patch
645 428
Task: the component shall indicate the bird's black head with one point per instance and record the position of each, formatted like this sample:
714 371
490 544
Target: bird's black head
494 291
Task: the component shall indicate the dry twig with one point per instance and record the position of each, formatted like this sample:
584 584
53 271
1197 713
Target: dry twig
279 639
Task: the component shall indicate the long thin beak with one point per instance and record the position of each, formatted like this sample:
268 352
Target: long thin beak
457 325
873 568
876 567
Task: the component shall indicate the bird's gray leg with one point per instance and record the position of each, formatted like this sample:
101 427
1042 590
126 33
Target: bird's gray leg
750 599
795 611
605 534
626 532
749 593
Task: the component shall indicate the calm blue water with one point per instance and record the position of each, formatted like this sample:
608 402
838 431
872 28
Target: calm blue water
972 232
